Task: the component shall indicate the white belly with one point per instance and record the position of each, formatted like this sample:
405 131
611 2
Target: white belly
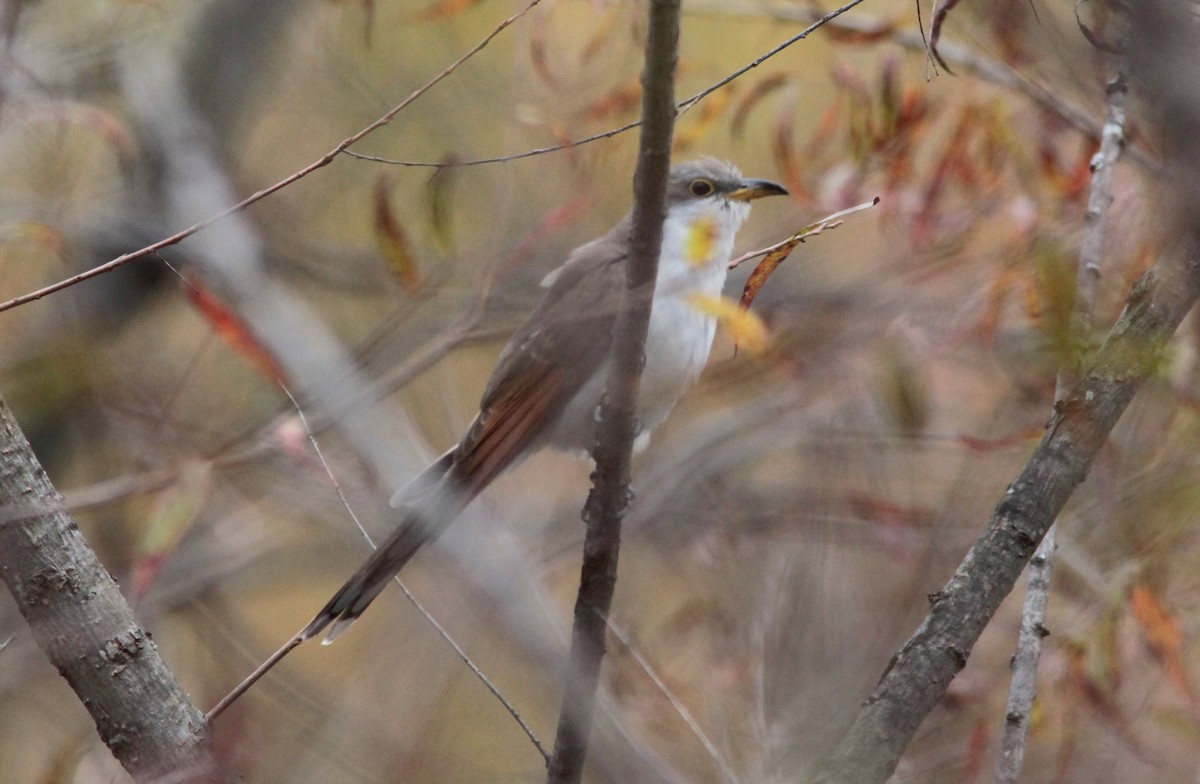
680 334
677 347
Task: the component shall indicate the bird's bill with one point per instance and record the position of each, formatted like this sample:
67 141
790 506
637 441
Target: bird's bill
749 190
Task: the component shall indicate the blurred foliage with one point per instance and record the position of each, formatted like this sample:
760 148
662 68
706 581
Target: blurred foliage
792 515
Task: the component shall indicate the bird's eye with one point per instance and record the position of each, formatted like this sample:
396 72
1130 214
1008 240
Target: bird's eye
701 188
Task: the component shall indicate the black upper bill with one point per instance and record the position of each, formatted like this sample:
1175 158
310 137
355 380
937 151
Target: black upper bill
748 190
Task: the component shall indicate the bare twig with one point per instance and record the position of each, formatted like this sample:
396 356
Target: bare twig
828 222
1033 613
321 162
295 641
253 677
693 725
682 107
920 672
970 58
610 496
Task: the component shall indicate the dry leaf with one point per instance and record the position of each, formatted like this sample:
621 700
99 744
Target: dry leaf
940 13
704 118
1163 633
1018 438
441 204
774 255
174 511
763 271
617 102
42 234
445 9
761 89
872 31
229 327
368 21
393 241
537 49
600 34
784 149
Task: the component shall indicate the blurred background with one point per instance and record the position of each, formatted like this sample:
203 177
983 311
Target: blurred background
792 515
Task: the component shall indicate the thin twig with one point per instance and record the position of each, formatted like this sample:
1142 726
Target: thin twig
918 675
278 656
828 222
682 107
1023 690
321 162
970 58
253 677
679 707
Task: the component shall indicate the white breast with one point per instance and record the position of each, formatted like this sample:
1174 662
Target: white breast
697 244
680 334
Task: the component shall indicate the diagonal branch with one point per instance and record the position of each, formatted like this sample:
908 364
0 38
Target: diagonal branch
321 162
919 673
1164 59
87 630
1033 614
683 106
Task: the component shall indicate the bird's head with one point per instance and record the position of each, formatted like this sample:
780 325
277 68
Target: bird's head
707 201
712 181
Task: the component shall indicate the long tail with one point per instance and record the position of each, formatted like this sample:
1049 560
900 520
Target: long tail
428 505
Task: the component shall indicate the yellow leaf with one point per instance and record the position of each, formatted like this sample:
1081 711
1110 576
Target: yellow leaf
747 328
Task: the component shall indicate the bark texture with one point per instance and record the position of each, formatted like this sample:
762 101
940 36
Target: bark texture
86 629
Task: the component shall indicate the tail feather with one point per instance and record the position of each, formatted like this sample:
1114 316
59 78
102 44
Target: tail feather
430 503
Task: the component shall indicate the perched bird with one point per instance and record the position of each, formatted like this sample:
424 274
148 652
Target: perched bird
546 387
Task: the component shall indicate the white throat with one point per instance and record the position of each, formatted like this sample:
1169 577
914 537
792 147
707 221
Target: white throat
697 244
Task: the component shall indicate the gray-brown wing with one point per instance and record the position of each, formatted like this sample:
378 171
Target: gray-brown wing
551 356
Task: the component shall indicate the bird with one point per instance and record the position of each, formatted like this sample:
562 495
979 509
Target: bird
548 382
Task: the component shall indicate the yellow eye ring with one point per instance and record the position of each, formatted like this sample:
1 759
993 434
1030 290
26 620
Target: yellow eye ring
701 188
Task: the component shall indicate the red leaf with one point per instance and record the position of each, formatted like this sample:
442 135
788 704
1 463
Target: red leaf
445 9
229 327
760 90
765 268
1163 633
871 31
393 242
706 115
620 100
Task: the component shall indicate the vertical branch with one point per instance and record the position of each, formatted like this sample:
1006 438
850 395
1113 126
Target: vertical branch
88 632
610 495
1033 613
1164 60
922 669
